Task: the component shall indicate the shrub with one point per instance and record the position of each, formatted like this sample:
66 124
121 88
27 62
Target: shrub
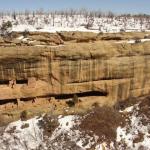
5 28
26 125
137 40
3 121
100 33
75 98
103 122
95 104
122 30
70 103
24 115
25 33
49 123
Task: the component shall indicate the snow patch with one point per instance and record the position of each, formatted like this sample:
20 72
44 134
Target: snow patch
129 133
18 137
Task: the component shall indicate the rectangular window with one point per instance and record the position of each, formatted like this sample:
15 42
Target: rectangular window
21 81
4 82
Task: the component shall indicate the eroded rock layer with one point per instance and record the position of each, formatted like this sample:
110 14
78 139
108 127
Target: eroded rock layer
117 71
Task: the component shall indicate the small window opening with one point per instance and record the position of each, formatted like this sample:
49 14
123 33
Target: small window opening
6 101
4 82
21 81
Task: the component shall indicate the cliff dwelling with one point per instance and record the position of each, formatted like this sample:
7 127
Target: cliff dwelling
100 69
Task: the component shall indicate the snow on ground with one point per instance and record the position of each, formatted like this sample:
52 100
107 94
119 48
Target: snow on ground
29 135
77 22
21 134
134 41
67 135
130 133
65 125
141 40
21 28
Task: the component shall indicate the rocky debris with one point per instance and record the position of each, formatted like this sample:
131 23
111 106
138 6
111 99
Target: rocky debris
135 135
103 122
54 39
16 41
120 36
107 38
78 36
47 39
31 39
91 37
99 128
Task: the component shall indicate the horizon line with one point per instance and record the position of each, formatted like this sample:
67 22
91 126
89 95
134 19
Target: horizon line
68 9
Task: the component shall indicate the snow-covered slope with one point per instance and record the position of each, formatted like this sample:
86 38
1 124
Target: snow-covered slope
78 22
68 134
20 135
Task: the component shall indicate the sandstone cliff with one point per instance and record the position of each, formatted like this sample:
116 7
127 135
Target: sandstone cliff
116 71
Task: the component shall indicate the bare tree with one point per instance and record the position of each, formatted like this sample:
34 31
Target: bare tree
53 15
14 15
141 22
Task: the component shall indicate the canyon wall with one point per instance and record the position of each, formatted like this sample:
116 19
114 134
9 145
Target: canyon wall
117 71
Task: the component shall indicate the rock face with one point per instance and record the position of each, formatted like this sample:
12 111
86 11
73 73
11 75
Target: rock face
31 39
116 71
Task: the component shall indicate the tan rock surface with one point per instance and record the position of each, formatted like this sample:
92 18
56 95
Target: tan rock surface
78 36
116 71
46 38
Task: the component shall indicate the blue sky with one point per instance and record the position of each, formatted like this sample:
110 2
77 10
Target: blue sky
132 6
